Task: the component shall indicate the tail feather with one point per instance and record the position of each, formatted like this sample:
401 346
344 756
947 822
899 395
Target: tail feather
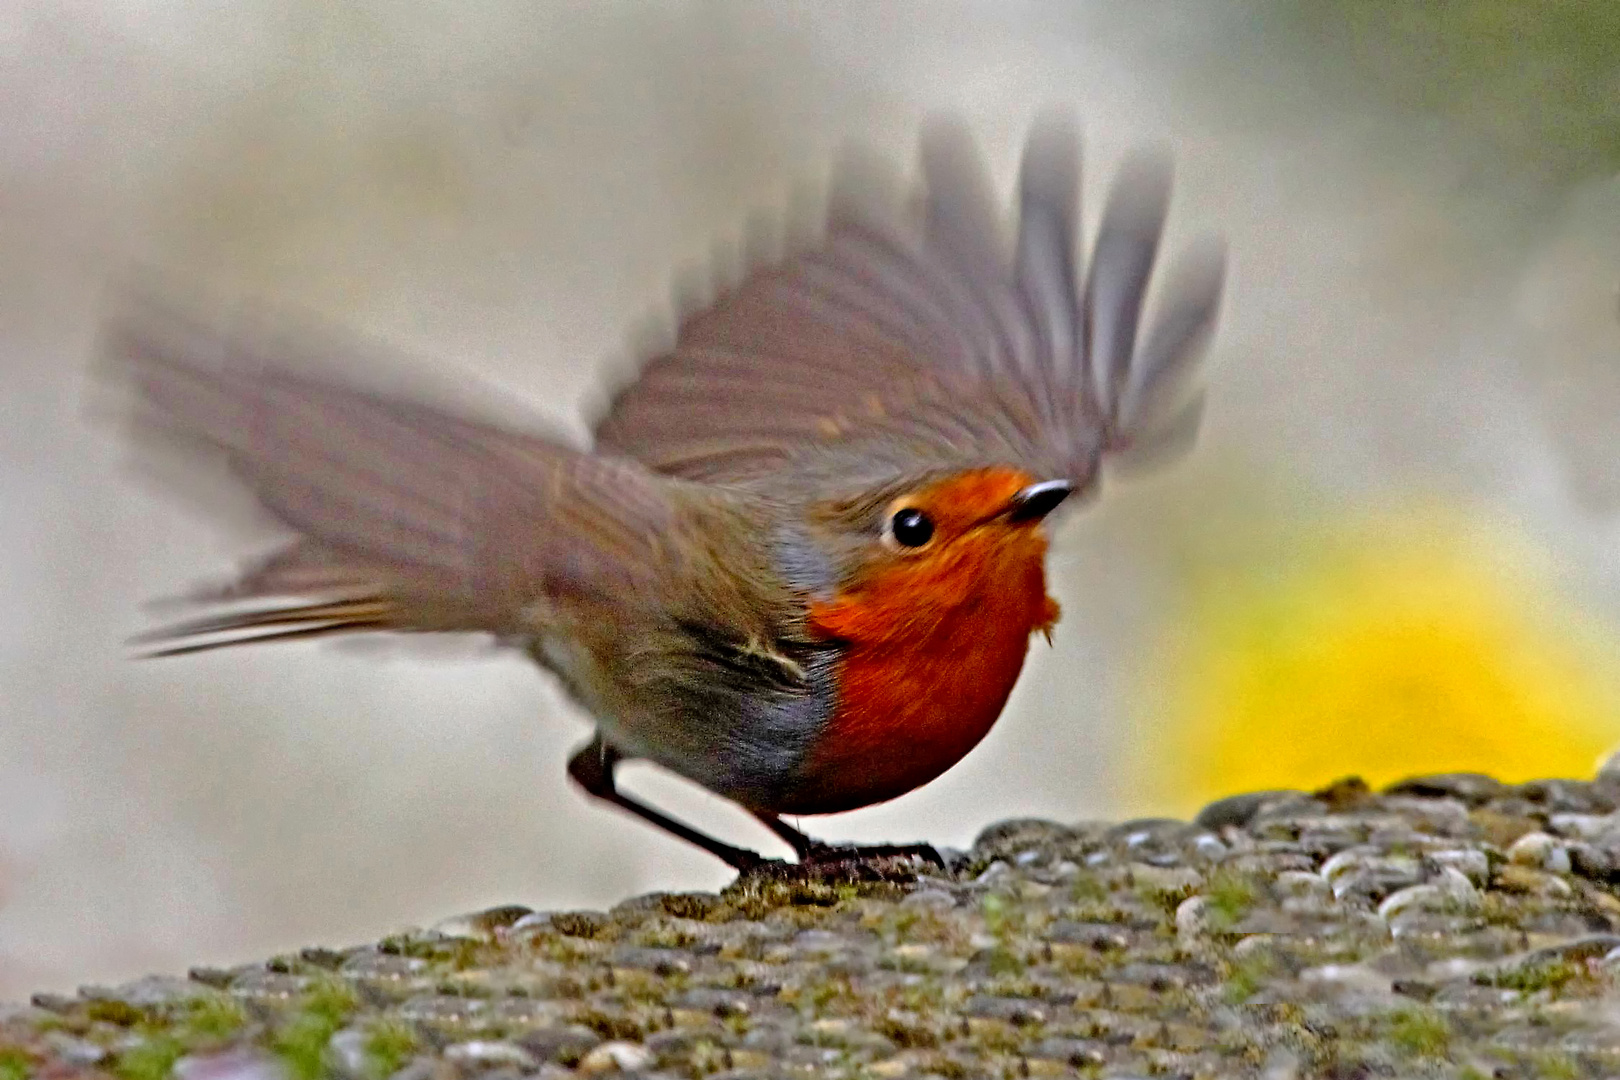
301 568
408 514
298 633
378 610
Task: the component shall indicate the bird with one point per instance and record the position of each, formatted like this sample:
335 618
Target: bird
803 557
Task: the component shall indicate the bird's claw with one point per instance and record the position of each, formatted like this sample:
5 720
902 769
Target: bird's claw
819 854
845 862
747 862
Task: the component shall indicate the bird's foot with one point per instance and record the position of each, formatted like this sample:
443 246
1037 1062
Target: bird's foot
833 863
748 863
820 854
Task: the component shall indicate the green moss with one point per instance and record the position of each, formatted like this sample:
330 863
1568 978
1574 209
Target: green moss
1531 977
333 999
15 1064
999 1037
1420 1032
898 925
1083 963
1088 889
947 1067
153 1059
907 1034
1553 1065
663 936
907 926
907 965
1003 916
925 997
121 1013
302 1040
1002 961
301 1044
699 906
561 950
649 987
1162 897
1228 896
1247 975
756 897
835 994
611 1027
389 1045
1014 986
215 1016
584 924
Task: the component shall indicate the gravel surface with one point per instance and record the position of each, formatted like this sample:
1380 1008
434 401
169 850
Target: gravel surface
1447 926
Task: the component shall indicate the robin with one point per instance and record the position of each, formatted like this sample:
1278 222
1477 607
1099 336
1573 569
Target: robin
802 563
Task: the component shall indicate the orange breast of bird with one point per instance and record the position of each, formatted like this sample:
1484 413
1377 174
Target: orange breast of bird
932 647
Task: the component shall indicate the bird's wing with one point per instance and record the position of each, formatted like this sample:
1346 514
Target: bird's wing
936 338
408 515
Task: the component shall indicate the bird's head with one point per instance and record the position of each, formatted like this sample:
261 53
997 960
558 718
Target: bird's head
917 554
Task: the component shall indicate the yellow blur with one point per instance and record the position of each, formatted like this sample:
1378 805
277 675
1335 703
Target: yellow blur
1402 642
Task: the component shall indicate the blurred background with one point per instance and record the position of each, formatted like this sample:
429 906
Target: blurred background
1397 548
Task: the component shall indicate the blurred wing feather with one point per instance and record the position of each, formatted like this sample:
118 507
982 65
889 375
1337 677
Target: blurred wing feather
410 517
940 339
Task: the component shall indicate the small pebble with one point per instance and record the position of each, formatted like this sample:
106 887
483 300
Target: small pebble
230 1065
615 1056
482 925
1472 863
488 1054
930 899
348 1050
1543 852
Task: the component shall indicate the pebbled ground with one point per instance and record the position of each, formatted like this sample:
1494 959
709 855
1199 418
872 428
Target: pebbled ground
1449 926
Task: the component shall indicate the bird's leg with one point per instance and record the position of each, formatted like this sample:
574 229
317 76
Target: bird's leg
810 850
800 843
592 769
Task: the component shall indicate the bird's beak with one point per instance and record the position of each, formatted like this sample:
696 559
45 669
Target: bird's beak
1038 500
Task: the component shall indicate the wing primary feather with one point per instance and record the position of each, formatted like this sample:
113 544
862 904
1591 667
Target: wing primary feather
1121 266
922 331
941 292
1190 302
1048 238
1166 438
962 227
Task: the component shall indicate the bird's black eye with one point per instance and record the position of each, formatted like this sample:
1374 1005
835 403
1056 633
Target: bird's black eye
911 528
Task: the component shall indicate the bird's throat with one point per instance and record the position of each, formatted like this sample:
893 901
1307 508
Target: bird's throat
929 660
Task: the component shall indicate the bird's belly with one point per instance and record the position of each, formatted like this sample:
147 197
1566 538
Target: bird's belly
741 745
906 716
